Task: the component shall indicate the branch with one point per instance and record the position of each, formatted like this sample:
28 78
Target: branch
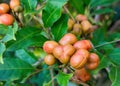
52 75
68 12
107 43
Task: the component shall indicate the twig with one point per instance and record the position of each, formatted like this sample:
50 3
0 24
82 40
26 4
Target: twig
38 62
34 73
52 75
107 43
41 23
79 82
65 8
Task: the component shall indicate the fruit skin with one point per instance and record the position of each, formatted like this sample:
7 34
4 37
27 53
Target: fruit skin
64 58
48 46
79 59
6 19
86 25
68 38
83 44
63 53
14 3
68 50
82 74
4 8
58 51
81 17
77 29
93 61
49 59
70 24
83 52
18 9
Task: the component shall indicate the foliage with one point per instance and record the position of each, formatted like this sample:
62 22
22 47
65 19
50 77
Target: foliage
21 53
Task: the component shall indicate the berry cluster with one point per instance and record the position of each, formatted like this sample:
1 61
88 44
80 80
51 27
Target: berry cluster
70 50
5 17
80 26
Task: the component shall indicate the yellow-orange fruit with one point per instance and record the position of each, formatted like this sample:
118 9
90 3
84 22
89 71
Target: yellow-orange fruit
14 3
82 75
68 50
6 19
83 52
93 61
77 29
58 51
64 58
63 53
68 38
70 24
78 61
4 8
81 17
83 44
48 46
49 59
86 25
18 9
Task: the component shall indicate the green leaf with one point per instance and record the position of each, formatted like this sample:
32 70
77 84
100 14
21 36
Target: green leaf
114 55
10 35
52 11
63 78
86 2
29 5
114 36
14 69
60 27
42 77
114 76
99 36
95 3
25 56
3 29
104 62
78 5
27 36
105 48
103 11
2 49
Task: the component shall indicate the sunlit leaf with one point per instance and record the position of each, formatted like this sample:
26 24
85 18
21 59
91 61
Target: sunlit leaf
52 11
63 78
60 27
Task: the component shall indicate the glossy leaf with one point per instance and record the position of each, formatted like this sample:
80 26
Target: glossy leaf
28 36
99 36
103 11
42 77
112 73
29 5
104 62
78 5
3 29
95 3
10 35
14 69
63 78
2 49
115 56
60 27
52 11
114 36
25 56
106 47
114 76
